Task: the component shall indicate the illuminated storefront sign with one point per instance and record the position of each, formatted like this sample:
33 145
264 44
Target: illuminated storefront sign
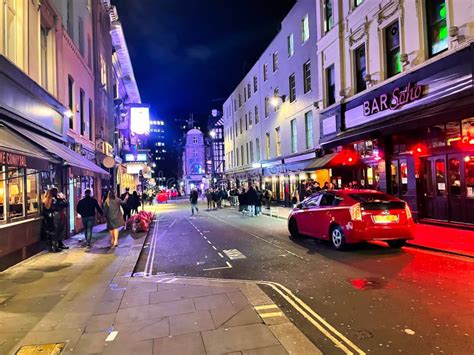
12 159
393 101
140 119
142 157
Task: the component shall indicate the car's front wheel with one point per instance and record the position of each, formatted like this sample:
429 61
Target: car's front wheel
396 243
338 239
293 228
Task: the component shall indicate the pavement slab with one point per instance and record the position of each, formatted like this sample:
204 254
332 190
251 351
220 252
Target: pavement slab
190 323
186 344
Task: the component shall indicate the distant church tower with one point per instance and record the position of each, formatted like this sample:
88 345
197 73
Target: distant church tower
194 161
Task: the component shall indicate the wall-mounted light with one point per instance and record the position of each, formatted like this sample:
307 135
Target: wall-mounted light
277 100
68 113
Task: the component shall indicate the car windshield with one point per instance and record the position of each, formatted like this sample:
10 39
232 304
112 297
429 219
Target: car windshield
371 197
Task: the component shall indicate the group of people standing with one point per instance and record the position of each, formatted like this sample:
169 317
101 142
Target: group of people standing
115 210
215 197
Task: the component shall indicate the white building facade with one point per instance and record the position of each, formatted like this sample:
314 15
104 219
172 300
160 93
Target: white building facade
397 100
271 127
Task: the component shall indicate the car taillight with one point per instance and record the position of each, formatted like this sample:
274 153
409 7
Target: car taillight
408 211
356 212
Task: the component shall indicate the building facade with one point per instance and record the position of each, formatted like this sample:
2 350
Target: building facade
271 129
194 162
398 100
215 160
158 151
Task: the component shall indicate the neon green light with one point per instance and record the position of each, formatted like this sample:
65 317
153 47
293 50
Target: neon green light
442 11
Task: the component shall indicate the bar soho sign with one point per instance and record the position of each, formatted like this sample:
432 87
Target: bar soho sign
398 98
12 159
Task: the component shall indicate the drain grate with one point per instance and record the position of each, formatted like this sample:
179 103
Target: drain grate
43 349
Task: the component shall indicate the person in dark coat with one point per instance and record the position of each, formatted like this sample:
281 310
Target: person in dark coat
134 202
126 207
54 213
193 198
243 201
258 205
215 198
87 208
252 198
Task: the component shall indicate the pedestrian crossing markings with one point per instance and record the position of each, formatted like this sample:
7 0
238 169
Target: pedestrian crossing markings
234 254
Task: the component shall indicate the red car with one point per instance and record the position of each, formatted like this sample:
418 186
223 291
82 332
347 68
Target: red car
352 216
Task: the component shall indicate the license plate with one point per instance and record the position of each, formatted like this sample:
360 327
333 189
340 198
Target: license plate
391 218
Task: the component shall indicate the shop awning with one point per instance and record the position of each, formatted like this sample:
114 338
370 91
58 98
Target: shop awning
61 151
320 163
12 142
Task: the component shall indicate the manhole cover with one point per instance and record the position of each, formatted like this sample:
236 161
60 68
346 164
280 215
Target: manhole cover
43 349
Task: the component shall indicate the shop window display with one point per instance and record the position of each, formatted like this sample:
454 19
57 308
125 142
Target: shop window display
15 192
454 177
440 177
32 194
469 175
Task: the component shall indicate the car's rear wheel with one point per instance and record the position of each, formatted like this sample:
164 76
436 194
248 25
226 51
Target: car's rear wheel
338 239
293 228
396 243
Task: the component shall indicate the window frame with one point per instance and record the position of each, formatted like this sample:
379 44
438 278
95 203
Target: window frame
305 34
275 62
328 21
428 26
360 83
330 100
294 135
389 52
307 87
291 45
292 87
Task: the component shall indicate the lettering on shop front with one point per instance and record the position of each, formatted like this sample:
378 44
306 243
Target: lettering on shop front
398 98
12 159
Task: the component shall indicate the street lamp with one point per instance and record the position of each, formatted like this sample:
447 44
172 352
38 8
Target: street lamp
212 134
275 100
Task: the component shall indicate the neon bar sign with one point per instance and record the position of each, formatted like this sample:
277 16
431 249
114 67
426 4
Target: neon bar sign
398 98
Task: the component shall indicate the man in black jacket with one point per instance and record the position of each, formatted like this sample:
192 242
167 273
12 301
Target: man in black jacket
193 198
86 208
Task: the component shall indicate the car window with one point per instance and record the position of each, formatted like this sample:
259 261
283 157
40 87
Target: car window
371 197
313 200
327 200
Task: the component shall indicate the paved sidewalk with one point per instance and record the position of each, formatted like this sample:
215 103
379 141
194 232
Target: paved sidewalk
88 301
447 239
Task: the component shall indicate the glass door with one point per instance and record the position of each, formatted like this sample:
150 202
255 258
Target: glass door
455 188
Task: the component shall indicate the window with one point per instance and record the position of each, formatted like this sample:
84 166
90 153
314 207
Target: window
437 26
91 118
81 112
103 72
275 61
328 15
294 136
267 145
70 18
247 151
267 106
255 84
358 2
265 72
236 129
70 86
360 68
89 51
307 77
246 122
242 154
291 45
81 36
257 150
250 119
195 140
308 127
245 94
249 90
469 176
304 29
292 87
240 100
16 188
44 57
330 85
235 105
237 156
454 166
257 115
392 44
251 152
14 31
241 126
32 193
277 141
276 93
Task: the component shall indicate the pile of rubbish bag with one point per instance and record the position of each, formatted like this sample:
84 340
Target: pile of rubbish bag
140 222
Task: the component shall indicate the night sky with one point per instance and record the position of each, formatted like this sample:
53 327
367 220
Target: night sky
189 55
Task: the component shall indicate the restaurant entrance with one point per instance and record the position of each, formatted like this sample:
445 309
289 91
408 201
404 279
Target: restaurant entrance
447 183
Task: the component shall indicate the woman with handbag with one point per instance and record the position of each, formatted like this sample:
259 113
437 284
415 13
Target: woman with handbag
114 216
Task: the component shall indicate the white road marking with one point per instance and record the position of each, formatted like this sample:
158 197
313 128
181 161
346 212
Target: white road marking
234 254
218 268
206 231
220 255
214 247
209 242
172 224
228 264
111 336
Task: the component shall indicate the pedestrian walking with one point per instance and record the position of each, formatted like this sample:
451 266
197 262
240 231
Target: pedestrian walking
258 205
113 215
134 202
54 213
251 200
193 198
294 198
209 198
243 201
87 208
268 195
126 209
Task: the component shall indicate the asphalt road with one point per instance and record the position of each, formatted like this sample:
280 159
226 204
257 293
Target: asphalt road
384 301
